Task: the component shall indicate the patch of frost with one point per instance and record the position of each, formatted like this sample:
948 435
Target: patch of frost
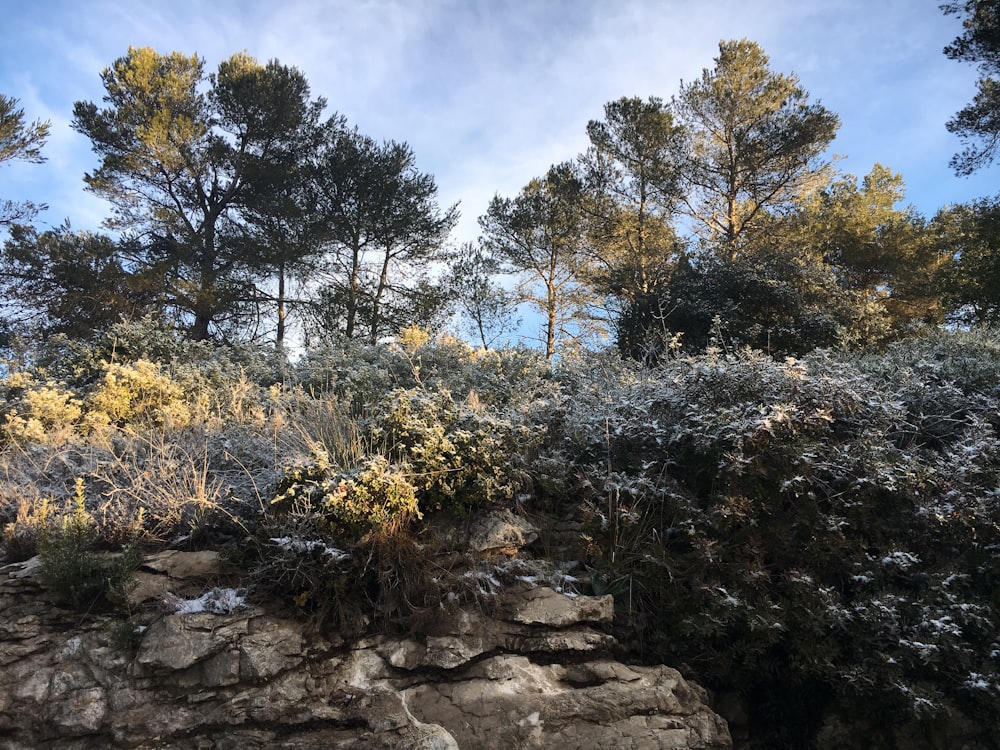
293 544
217 602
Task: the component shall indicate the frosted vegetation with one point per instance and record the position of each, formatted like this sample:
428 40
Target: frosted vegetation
819 534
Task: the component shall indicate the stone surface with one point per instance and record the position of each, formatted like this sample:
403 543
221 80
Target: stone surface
501 532
543 606
535 672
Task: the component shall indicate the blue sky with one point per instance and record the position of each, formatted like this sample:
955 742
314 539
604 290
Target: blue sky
490 93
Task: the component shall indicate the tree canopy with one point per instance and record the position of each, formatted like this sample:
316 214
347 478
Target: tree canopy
19 141
183 157
716 211
632 171
538 235
757 145
978 123
380 227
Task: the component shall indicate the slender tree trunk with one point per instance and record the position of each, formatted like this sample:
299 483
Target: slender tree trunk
280 334
383 282
353 293
204 303
550 323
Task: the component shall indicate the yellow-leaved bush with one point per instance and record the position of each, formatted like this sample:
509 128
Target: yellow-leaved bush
38 412
138 393
374 496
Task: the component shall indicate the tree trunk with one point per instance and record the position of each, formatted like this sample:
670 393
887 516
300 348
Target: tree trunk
280 334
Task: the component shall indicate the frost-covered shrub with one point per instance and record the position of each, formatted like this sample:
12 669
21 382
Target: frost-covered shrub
34 412
359 374
373 496
970 359
459 454
335 545
139 394
818 536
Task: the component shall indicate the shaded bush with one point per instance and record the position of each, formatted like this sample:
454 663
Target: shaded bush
817 536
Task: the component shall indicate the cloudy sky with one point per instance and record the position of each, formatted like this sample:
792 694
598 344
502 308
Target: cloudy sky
490 93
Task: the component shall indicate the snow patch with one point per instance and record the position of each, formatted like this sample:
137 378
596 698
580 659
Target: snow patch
218 601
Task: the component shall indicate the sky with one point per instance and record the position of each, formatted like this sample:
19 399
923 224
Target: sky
490 93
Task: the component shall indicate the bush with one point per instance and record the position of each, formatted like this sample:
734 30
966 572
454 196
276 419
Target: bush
821 540
35 412
137 394
74 573
375 496
460 455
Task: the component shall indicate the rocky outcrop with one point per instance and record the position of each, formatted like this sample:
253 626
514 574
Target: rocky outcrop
533 672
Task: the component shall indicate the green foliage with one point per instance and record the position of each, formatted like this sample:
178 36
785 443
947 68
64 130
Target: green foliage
537 235
817 535
971 233
777 301
487 309
375 496
38 413
977 123
461 455
74 573
73 283
21 141
138 394
757 145
380 227
633 174
162 135
875 246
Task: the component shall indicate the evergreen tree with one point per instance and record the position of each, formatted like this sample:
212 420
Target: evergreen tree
970 233
181 165
632 173
487 308
876 246
19 141
978 123
757 146
538 235
73 283
380 228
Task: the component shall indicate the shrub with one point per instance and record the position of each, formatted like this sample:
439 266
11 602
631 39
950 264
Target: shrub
39 412
375 496
334 546
818 538
137 394
460 455
75 574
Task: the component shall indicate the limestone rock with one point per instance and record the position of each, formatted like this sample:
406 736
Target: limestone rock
501 532
532 671
543 606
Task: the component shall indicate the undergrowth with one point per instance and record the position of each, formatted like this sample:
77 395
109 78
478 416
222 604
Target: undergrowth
819 536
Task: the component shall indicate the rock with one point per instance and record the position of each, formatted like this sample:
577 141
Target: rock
543 606
175 572
501 532
498 533
184 565
511 702
533 670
